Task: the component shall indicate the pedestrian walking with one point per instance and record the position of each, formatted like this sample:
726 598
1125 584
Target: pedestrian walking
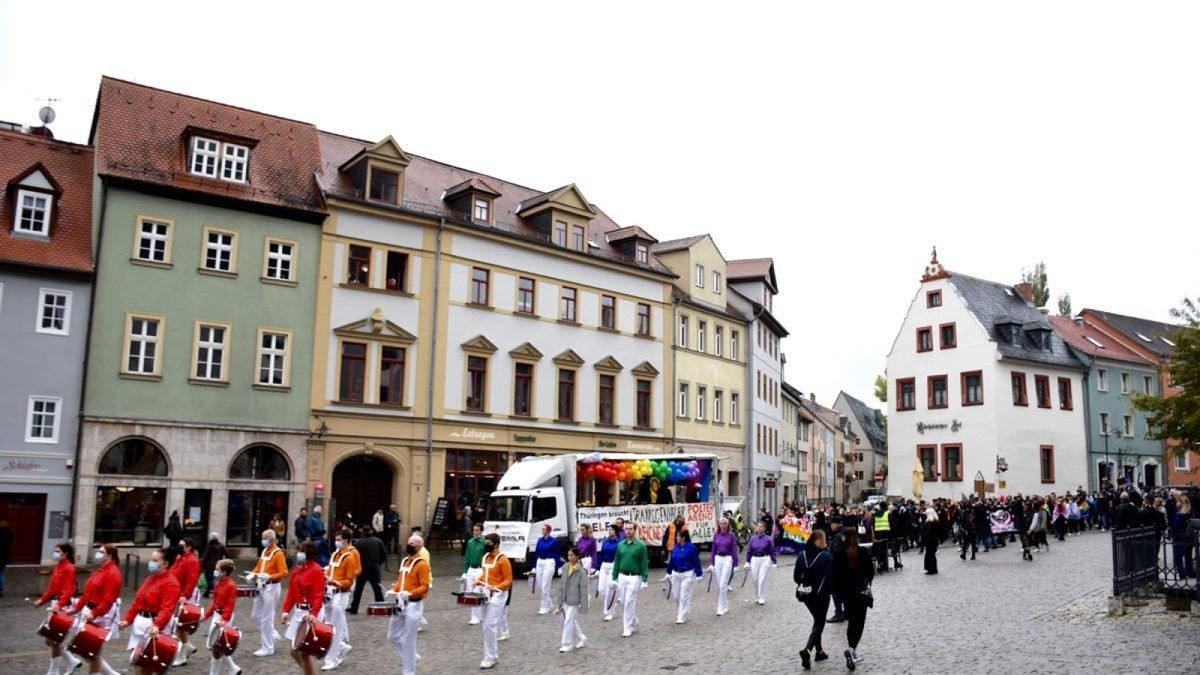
280 526
813 575
304 600
221 611
852 575
100 603
411 588
155 603
496 581
391 529
371 554
473 567
187 572
631 571
1183 558
340 575
604 579
547 566
682 571
930 538
300 527
58 595
587 548
377 521
760 554
174 530
573 600
214 552
723 561
268 572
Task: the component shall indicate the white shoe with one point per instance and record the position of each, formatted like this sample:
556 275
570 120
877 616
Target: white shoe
564 649
180 659
72 662
543 611
487 663
581 643
627 633
264 652
331 666
191 648
346 647
761 601
473 622
608 617
502 637
720 612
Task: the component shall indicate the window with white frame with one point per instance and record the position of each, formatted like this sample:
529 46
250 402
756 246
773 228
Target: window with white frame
683 331
1125 386
683 399
54 312
142 346
482 208
1127 430
1181 461
279 260
700 402
700 276
273 359
153 241
733 345
702 335
716 282
1104 425
718 404
218 250
1101 379
33 213
642 255
41 425
1147 383
214 159
718 338
233 163
734 402
210 351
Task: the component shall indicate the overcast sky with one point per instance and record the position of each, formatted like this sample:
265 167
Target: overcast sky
842 139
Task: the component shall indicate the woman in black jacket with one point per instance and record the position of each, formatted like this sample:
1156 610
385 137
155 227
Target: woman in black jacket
814 568
852 575
931 536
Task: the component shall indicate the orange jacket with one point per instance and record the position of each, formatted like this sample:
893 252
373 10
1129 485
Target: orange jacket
413 577
273 562
344 567
497 571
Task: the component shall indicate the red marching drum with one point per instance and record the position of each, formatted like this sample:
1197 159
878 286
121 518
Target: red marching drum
472 599
187 617
155 652
88 641
223 640
381 608
247 591
313 638
56 626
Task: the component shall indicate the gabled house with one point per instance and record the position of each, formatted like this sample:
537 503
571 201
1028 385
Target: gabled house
868 457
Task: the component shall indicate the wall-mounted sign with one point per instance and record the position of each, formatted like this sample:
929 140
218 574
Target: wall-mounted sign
769 484
23 466
953 426
607 445
524 438
471 433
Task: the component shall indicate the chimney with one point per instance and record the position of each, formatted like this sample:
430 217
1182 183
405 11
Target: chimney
812 397
1026 291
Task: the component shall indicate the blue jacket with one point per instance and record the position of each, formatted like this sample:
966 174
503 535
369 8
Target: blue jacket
608 550
815 567
685 559
547 548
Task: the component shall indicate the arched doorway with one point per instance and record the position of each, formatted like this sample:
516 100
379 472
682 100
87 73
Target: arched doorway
254 505
361 484
131 493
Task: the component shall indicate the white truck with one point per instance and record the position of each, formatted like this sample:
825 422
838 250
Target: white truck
570 489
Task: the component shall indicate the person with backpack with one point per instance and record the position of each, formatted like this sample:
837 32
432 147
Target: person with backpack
852 575
813 575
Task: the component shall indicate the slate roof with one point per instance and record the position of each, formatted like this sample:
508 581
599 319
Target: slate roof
1076 332
992 304
69 167
869 419
676 244
1131 326
629 232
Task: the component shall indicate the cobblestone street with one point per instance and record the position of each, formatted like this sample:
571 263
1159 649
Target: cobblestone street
994 615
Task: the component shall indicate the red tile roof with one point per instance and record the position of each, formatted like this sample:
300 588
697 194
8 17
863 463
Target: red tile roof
69 167
1076 334
140 135
756 268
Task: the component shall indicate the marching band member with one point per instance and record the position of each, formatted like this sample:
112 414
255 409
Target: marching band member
631 571
270 569
496 580
587 548
305 597
412 585
221 611
344 567
723 561
58 594
608 554
683 569
573 600
156 601
472 569
187 570
548 563
761 548
101 601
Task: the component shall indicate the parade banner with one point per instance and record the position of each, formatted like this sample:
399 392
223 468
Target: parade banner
600 517
1001 522
701 521
795 532
653 519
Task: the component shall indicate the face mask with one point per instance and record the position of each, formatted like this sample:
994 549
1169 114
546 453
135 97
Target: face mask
339 545
489 547
413 549
216 573
100 556
57 555
152 566
300 557
266 543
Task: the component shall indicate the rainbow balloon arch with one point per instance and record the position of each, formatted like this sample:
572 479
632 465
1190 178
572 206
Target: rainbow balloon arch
668 472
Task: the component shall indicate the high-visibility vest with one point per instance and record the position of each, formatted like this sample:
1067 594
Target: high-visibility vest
882 523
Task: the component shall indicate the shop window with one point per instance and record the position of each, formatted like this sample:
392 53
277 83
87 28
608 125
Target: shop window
260 462
131 516
134 457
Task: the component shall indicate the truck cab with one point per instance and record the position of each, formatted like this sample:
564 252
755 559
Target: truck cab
531 494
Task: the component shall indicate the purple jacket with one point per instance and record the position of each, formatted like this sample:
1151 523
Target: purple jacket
724 543
761 544
587 549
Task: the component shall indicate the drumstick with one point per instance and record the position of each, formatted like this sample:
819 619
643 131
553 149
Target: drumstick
612 597
711 574
745 577
669 587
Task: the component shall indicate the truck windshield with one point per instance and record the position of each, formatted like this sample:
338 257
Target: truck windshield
503 508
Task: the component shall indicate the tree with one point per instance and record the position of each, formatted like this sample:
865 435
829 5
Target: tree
1064 305
1178 417
1037 278
881 388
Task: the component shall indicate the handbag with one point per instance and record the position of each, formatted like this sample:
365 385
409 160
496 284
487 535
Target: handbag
868 598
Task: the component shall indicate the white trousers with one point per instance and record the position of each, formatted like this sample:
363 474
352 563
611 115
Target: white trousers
628 586
335 613
402 633
571 633
545 577
683 583
759 567
604 582
294 623
215 665
262 613
473 575
724 573
137 631
493 617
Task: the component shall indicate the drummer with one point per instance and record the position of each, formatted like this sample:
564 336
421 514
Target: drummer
305 597
412 585
496 581
101 601
58 594
270 569
608 555
344 567
187 570
155 602
472 569
221 611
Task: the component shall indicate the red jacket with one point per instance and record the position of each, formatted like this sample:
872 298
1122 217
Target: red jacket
187 571
103 588
62 585
224 599
307 587
159 594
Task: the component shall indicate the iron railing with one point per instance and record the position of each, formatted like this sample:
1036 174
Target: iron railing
1147 562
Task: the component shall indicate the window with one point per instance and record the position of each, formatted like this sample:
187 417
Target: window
209 361
219 251
142 345
1064 394
949 336
1047 463
523 389
716 282
480 280
260 462
683 399
927 454
608 311
384 186
1147 383
1020 396
733 345
273 356
214 159
608 384
1101 379
577 237
972 388
952 462
483 209
701 409
33 213
54 312
280 260
1041 385
718 338
702 335
206 156
567 306
41 425
939 396
642 253
526 295
560 233
353 374
153 242
566 395
233 166
1127 426
643 404
933 299
906 394
718 405
544 508
734 403
1181 461
699 276
643 319
396 271
360 266
391 375
129 515
1094 341
925 339
1125 386
683 331
1166 341
1104 424
476 383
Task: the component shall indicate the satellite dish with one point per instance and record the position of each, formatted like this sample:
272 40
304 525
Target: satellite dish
46 114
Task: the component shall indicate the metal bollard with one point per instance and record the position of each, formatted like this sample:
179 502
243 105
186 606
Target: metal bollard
135 561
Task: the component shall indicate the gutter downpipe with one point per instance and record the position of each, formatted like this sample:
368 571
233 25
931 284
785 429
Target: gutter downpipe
675 376
433 342
1087 434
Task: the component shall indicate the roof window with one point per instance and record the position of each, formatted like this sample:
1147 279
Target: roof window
1093 341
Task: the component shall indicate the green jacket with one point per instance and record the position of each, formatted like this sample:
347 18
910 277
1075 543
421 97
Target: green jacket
474 554
632 559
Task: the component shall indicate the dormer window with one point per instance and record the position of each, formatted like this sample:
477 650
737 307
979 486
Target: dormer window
482 211
578 237
560 233
33 213
384 185
643 253
217 159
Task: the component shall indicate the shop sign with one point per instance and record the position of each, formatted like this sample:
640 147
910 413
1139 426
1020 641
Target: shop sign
23 466
606 444
524 438
473 434
953 426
